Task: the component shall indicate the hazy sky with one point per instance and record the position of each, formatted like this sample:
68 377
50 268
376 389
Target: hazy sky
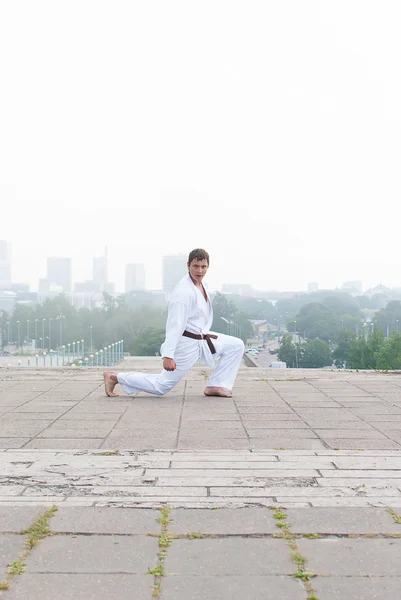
266 131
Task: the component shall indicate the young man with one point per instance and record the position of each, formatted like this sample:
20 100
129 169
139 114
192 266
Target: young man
188 340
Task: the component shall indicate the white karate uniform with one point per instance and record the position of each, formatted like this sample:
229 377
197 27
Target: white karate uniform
188 310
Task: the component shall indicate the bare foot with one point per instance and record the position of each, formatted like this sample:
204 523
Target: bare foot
110 382
218 391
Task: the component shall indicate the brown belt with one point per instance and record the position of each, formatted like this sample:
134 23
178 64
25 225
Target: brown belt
203 336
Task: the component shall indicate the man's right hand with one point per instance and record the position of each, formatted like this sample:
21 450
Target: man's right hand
169 364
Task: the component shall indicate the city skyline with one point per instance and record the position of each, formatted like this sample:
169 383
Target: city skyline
99 278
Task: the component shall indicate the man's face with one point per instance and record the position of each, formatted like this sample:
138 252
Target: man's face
198 269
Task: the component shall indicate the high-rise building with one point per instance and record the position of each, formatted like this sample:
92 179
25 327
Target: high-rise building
5 265
59 272
100 272
174 269
313 286
134 277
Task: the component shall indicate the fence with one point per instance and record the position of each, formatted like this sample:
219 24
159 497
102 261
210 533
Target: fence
74 354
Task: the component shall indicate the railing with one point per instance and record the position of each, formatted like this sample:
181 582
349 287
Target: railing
74 355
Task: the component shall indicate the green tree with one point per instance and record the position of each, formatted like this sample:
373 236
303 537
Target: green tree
389 355
341 352
315 354
148 342
288 351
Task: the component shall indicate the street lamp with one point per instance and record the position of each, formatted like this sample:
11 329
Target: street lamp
8 333
19 334
50 331
27 329
91 339
43 333
397 325
228 324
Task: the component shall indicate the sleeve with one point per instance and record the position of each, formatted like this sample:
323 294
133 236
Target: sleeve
176 322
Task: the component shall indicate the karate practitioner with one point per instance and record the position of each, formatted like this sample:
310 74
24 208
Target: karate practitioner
188 340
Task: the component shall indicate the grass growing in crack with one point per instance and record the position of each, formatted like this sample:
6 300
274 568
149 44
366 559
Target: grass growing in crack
396 516
108 453
297 558
4 585
196 536
164 542
40 528
17 567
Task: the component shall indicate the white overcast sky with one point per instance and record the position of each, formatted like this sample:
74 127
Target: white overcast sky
268 132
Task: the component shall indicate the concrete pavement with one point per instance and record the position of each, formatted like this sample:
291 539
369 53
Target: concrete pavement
290 489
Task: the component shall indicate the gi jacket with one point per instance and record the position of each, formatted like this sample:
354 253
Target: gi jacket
188 310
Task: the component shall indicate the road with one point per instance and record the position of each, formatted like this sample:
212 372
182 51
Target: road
264 359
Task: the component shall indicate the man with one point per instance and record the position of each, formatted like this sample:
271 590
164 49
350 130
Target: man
188 340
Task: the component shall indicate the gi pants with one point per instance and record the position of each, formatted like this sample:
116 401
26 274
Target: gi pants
229 349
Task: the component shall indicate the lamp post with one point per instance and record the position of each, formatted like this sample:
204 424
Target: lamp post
91 339
27 329
227 323
18 334
83 348
101 357
36 331
97 358
63 353
397 325
43 333
106 357
8 333
50 331
68 352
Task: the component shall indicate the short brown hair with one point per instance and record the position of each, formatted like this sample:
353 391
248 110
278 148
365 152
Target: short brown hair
198 254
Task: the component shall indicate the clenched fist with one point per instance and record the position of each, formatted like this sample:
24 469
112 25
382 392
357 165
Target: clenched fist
169 364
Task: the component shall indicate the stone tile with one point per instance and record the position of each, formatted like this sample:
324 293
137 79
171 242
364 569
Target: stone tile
17 518
94 554
352 433
16 442
286 443
105 520
10 548
73 433
48 586
358 588
347 558
62 443
209 587
25 429
291 424
245 410
282 432
191 443
242 556
341 521
334 425
223 521
271 418
361 444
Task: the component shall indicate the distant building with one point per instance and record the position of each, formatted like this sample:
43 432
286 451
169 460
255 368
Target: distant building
137 298
87 286
313 286
5 265
353 286
174 269
238 289
134 277
20 287
59 273
100 272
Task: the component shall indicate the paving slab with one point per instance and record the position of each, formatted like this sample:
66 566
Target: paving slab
358 588
255 587
17 518
352 557
11 547
49 586
90 519
222 521
225 556
347 521
94 554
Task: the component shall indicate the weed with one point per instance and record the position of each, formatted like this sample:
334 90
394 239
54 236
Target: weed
196 536
4 585
17 567
396 516
158 570
40 528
